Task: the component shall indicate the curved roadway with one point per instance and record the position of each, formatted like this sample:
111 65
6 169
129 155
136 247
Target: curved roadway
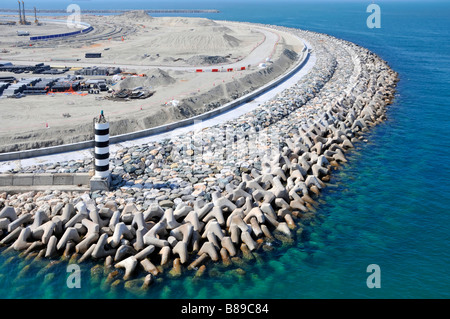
231 114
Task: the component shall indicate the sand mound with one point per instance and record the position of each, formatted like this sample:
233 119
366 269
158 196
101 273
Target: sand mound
153 79
177 21
135 16
206 60
186 43
232 41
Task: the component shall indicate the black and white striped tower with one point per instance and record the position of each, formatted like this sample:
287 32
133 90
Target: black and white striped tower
101 147
102 177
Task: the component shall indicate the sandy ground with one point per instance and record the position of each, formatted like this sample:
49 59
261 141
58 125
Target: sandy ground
38 121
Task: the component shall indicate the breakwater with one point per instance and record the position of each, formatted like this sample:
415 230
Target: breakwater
221 194
114 11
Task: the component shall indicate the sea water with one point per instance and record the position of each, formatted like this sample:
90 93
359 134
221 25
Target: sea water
387 206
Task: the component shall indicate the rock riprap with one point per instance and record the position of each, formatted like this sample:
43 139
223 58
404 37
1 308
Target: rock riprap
217 194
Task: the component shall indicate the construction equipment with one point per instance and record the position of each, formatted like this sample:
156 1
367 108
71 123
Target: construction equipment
23 10
36 21
20 14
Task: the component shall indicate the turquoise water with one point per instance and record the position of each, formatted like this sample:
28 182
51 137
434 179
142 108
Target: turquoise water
389 204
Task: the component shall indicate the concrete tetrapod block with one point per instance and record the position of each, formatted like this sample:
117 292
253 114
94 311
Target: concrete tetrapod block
170 220
237 212
284 228
129 265
153 211
209 249
81 208
222 201
266 231
37 245
157 229
99 250
11 236
21 242
94 216
237 193
77 218
149 267
39 218
212 238
281 203
256 229
235 233
111 204
70 234
192 218
201 212
87 241
115 219
44 232
182 210
51 247
237 220
215 213
255 212
339 156
23 219
57 209
130 208
247 239
180 249
8 212
138 221
161 243
88 253
120 230
145 252
297 175
265 196
4 222
213 227
67 212
58 230
318 170
313 180
228 245
297 204
124 251
267 209
278 189
271 220
277 171
183 232
91 226
165 254
139 243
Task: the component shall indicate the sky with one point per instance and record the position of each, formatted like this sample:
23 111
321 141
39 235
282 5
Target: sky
172 4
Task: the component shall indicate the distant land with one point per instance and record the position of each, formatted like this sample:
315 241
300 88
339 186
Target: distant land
116 11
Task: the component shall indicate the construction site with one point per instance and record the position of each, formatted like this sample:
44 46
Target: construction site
143 71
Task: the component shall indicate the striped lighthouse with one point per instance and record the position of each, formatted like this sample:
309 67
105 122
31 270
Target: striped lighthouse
101 152
102 176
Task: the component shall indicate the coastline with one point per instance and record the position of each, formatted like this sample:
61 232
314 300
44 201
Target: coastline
262 199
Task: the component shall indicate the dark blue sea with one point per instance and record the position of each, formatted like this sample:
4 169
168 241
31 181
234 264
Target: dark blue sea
389 203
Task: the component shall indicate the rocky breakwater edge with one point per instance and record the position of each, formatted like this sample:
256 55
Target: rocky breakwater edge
221 196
